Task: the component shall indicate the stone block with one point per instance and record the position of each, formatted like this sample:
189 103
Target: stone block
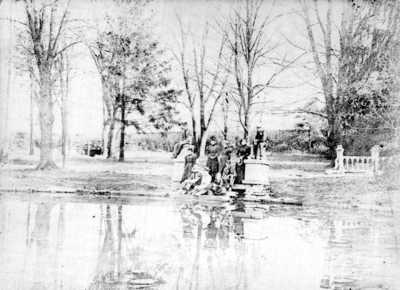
257 172
179 166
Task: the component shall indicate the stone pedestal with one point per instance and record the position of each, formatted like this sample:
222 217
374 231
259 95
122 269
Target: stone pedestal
178 170
257 172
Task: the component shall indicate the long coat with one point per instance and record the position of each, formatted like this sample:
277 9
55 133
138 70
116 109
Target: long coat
212 162
243 152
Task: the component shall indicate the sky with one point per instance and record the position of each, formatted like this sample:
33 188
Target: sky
85 99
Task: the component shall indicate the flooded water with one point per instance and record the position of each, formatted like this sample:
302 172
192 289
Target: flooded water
100 243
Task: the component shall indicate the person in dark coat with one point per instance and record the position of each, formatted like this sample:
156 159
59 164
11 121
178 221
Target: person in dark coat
225 155
190 160
258 139
242 153
213 151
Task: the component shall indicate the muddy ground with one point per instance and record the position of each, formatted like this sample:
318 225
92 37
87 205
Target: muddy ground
300 176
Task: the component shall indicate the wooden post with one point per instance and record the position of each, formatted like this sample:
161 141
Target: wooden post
339 159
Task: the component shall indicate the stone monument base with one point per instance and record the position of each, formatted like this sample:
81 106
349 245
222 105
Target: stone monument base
257 172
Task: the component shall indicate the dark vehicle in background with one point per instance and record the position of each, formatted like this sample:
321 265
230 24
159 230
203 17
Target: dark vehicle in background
95 148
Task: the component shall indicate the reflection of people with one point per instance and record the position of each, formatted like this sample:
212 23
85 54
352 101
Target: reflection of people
186 139
258 139
243 152
212 151
189 221
194 179
190 161
238 228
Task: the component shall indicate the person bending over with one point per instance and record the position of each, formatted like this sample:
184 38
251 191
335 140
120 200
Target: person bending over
186 139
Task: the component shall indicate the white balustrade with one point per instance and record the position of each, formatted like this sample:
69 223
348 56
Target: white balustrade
358 163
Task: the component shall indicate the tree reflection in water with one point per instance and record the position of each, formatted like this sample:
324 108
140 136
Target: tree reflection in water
114 270
40 236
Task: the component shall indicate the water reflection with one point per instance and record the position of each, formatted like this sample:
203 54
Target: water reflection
70 245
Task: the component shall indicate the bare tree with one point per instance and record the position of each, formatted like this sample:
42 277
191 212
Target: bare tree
186 75
45 25
204 79
99 52
33 97
63 66
252 49
344 70
5 146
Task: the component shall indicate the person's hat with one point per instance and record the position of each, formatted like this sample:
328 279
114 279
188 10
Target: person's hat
213 138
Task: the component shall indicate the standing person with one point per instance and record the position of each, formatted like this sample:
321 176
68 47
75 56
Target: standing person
225 155
258 139
186 139
212 152
190 161
243 153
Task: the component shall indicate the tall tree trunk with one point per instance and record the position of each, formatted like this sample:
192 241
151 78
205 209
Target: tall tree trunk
122 130
64 108
108 116
46 119
122 136
5 145
203 127
64 118
32 87
246 125
225 113
194 131
110 138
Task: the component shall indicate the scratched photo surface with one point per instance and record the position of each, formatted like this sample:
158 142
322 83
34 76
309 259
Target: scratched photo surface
199 144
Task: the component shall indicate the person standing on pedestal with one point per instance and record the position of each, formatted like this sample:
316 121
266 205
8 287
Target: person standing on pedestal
212 152
186 139
258 139
243 153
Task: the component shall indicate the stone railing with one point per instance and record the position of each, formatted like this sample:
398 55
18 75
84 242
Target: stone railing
358 163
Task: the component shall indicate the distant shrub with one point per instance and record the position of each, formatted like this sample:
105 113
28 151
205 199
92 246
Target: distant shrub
282 147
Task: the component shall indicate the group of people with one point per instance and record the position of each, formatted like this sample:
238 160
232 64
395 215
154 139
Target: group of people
223 171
